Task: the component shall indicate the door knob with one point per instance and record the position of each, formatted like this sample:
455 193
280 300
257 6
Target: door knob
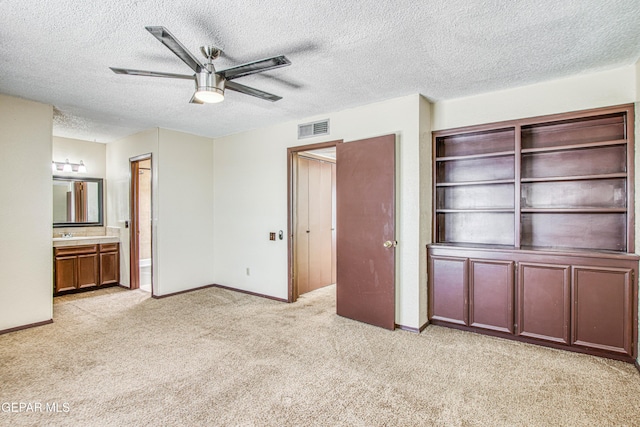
390 244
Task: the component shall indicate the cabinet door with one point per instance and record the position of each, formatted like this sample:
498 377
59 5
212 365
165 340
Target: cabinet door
602 308
543 301
65 279
87 270
491 295
109 268
448 293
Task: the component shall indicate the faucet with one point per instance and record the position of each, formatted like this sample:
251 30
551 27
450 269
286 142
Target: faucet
66 234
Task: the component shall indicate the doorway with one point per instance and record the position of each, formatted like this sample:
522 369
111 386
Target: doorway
364 227
141 213
312 228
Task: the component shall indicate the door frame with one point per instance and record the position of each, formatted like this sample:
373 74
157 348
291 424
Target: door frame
134 226
292 153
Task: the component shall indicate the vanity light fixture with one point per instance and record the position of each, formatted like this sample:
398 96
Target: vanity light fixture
66 166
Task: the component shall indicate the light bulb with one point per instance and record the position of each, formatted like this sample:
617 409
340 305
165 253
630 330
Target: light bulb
54 167
67 167
209 96
82 168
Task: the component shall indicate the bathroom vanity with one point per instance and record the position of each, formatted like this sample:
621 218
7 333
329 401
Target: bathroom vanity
85 262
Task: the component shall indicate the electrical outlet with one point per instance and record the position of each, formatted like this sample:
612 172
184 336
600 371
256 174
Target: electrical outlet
248 271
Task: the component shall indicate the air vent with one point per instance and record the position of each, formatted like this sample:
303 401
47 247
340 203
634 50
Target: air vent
308 130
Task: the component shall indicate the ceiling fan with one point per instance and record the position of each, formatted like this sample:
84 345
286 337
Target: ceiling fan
210 84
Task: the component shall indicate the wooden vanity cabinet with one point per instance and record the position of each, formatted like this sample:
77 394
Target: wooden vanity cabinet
109 264
86 266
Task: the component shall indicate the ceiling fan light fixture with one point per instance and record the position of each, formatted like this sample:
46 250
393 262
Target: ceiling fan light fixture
210 95
209 86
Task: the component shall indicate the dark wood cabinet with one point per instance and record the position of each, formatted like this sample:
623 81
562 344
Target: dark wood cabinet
578 301
602 308
86 266
109 264
87 273
491 294
65 273
544 305
449 293
533 228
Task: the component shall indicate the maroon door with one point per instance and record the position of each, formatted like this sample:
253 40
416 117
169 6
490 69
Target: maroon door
365 222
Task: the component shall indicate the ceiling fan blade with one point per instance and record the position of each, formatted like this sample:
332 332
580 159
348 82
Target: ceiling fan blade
167 39
151 73
254 67
252 91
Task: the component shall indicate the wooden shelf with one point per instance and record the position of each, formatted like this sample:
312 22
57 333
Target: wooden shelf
455 184
479 210
476 156
576 178
573 210
544 257
563 178
571 147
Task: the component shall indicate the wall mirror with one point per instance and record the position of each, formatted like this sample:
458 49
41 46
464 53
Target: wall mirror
77 202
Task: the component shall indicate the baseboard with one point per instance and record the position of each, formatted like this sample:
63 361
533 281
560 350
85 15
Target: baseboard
637 365
182 292
221 287
31 325
410 329
255 294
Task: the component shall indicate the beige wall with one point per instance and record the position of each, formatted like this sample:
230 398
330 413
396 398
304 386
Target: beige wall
92 154
426 198
251 200
637 66
186 212
117 192
574 93
26 286
182 205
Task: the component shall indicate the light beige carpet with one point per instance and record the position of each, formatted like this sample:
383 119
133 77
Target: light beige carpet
220 358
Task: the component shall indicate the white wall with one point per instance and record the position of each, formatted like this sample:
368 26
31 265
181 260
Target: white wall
574 93
250 171
182 205
118 190
637 66
92 154
186 214
426 200
26 287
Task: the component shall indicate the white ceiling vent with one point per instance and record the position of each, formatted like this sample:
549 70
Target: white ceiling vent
308 130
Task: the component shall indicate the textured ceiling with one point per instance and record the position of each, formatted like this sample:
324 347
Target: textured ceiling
344 54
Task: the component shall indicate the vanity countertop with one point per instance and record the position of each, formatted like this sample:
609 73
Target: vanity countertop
83 240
